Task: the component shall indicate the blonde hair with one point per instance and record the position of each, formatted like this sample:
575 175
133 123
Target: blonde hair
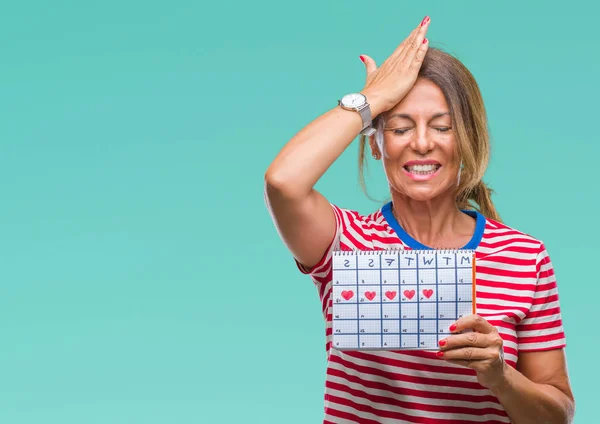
471 131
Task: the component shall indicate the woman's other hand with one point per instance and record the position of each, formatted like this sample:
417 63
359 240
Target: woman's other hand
479 349
387 85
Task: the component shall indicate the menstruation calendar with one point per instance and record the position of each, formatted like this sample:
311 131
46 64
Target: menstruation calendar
401 299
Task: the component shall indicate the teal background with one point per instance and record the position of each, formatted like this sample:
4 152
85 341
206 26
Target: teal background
141 279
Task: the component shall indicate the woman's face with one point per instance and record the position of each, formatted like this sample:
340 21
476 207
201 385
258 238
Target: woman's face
419 149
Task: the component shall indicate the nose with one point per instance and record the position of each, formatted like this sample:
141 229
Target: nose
422 141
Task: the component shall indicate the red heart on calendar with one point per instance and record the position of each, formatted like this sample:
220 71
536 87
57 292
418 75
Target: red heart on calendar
390 294
428 293
370 295
409 293
347 294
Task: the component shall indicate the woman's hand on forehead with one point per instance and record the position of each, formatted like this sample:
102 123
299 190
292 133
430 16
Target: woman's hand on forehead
387 85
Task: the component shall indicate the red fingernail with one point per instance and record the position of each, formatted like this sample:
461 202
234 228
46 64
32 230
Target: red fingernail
424 40
362 58
442 343
425 20
440 354
453 327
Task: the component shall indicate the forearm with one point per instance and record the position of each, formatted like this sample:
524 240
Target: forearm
308 155
527 402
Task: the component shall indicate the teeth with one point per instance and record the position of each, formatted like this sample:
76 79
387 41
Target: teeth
422 169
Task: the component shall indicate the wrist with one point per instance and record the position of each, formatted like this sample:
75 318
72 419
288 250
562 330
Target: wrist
376 102
503 382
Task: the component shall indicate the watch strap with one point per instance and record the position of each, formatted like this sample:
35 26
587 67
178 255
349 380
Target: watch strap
367 119
364 111
368 131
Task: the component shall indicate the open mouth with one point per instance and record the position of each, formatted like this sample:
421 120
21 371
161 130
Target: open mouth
420 169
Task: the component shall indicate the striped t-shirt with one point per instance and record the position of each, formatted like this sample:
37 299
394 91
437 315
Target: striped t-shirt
515 291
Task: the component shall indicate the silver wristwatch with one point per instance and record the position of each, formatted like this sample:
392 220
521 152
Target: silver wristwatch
358 102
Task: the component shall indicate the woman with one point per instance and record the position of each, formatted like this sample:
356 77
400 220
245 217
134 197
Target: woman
505 364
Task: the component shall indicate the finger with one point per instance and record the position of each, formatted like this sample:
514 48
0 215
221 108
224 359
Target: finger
396 53
472 339
420 55
415 42
474 322
370 64
469 354
467 364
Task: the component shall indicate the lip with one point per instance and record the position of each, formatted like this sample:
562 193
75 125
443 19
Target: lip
416 177
422 162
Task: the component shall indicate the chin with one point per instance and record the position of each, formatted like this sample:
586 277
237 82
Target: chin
421 195
424 193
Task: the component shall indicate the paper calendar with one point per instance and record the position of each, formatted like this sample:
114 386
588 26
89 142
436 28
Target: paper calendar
401 299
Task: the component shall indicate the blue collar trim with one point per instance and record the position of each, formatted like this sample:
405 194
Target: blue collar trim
386 210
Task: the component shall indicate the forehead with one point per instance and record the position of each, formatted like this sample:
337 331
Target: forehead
424 99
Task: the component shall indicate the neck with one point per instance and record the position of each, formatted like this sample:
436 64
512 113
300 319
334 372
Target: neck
437 223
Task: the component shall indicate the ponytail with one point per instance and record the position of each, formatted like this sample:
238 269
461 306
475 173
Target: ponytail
481 196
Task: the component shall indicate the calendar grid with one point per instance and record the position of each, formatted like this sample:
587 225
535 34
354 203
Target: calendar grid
437 296
401 299
381 298
418 306
456 276
357 307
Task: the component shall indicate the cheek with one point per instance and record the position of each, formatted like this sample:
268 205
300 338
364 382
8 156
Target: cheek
394 148
449 147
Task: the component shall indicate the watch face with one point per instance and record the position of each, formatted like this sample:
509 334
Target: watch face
353 100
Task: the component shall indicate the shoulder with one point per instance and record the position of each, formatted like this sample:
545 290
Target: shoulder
364 231
498 235
351 216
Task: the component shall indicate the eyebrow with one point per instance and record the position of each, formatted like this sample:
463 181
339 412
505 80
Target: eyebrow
407 116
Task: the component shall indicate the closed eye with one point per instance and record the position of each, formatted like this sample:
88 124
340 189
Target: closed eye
400 131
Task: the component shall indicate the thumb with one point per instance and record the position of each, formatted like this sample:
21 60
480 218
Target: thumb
370 64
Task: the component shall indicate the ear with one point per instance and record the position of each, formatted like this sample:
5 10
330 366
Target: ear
375 152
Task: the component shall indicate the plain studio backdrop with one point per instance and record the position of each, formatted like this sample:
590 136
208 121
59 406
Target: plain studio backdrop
142 280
